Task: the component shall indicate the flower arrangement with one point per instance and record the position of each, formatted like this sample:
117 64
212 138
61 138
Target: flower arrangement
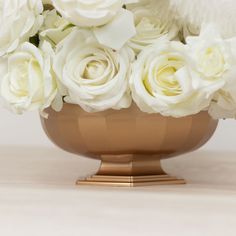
106 54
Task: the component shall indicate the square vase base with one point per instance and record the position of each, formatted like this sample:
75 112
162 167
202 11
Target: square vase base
130 181
130 170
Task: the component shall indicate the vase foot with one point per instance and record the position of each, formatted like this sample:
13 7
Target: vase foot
130 170
130 181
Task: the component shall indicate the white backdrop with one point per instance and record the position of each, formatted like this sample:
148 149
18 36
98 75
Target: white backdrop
26 130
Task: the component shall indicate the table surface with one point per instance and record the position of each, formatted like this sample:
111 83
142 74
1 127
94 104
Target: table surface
38 197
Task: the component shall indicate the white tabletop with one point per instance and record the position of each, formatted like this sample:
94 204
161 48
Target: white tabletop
38 197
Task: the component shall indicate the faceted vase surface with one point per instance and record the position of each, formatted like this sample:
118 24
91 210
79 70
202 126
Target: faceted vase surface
129 142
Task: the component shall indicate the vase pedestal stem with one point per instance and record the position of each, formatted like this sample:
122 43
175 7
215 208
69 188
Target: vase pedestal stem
130 170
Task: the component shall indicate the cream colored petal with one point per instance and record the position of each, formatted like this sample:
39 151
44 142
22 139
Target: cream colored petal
118 32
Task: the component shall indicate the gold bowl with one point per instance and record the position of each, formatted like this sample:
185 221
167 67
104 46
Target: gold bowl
129 142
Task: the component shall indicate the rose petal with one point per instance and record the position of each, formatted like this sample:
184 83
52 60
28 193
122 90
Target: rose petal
118 32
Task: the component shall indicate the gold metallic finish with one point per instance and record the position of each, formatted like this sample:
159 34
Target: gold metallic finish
129 143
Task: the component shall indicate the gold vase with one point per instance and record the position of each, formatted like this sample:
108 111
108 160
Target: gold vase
129 143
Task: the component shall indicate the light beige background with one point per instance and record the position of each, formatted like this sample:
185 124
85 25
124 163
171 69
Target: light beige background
26 130
38 196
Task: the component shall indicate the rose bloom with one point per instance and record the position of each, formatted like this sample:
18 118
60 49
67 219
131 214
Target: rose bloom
27 82
163 81
223 105
215 59
19 21
96 77
151 24
112 25
88 13
211 54
55 28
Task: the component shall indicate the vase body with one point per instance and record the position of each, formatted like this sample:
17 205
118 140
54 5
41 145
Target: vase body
129 142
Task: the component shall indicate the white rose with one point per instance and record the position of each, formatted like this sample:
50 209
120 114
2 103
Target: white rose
113 26
151 25
19 21
223 106
211 54
162 81
95 76
28 83
215 59
55 28
88 13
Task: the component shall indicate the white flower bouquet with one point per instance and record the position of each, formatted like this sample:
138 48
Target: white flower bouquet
106 54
